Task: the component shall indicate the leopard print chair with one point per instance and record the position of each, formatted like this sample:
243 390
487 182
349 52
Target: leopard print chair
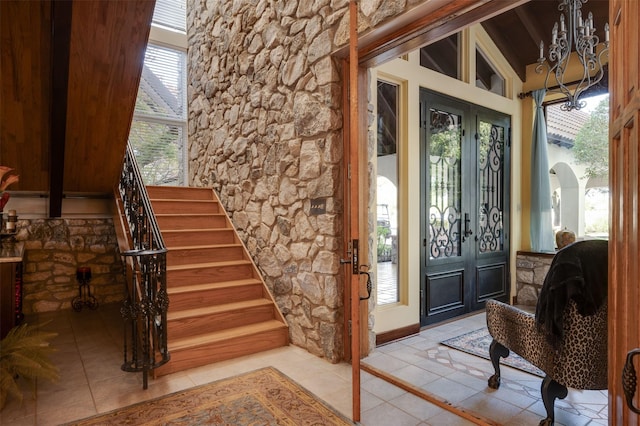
579 363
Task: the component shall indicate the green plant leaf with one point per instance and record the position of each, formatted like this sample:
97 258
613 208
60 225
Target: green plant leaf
24 354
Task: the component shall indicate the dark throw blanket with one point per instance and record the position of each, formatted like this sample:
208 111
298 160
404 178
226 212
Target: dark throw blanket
578 272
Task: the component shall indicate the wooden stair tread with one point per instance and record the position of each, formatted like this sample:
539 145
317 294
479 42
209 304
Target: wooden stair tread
208 265
216 285
222 335
180 200
209 310
197 230
197 247
189 214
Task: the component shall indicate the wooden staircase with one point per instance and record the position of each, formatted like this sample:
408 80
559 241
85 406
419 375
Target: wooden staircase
219 306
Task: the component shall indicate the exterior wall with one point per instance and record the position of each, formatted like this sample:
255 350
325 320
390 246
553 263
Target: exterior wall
532 268
265 123
54 248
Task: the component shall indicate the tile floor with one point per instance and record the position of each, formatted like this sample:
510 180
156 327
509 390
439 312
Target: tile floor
386 282
90 353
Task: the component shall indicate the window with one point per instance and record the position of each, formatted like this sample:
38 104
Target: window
443 56
487 77
388 95
159 129
578 148
170 14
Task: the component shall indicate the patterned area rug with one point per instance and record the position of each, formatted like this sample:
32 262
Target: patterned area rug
261 397
477 343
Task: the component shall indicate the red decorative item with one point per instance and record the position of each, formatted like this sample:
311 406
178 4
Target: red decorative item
6 178
4 200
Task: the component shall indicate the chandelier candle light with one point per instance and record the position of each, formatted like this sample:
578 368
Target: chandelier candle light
580 32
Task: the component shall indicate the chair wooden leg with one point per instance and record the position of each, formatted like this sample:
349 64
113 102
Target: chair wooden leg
551 390
496 350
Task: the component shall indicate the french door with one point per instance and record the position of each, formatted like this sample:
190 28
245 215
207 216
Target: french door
464 207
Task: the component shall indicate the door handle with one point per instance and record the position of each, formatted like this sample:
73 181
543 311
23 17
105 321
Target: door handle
467 230
629 381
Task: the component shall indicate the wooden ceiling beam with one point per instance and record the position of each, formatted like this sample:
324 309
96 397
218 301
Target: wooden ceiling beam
506 48
531 27
61 40
423 27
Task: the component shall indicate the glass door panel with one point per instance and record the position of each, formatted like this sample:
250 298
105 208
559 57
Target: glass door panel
444 184
491 144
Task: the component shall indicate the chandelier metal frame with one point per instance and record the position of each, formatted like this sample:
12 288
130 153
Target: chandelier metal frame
581 33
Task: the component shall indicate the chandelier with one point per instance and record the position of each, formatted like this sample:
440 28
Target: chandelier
578 32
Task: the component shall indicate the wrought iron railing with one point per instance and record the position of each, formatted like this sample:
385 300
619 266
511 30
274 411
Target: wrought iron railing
146 301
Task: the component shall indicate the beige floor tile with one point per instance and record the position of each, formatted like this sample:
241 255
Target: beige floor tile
446 418
415 375
383 390
369 400
92 381
495 409
386 414
415 406
449 390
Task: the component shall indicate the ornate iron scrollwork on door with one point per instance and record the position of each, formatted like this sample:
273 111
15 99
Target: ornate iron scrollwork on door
445 192
491 140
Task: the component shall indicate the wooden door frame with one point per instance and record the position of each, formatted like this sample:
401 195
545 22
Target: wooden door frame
624 184
424 24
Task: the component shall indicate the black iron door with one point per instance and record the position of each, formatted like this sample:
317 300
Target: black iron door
464 206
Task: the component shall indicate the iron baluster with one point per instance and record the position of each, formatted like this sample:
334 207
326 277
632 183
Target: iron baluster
146 300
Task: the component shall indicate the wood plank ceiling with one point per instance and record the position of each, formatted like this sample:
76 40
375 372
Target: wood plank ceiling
518 32
84 74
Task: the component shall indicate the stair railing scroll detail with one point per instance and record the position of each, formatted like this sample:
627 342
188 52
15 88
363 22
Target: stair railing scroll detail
146 300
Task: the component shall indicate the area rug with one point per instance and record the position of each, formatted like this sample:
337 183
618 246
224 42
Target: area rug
261 397
477 343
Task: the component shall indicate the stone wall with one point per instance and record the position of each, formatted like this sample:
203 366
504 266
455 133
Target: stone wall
54 248
265 131
531 268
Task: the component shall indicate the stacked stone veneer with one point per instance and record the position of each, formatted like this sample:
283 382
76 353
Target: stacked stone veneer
531 268
54 248
265 131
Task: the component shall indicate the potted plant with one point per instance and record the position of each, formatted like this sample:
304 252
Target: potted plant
24 355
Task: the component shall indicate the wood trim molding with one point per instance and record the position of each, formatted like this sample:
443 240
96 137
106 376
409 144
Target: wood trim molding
398 333
424 24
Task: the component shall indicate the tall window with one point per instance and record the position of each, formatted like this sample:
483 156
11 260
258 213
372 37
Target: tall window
387 192
158 133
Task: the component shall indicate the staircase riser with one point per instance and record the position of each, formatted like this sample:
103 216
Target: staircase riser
249 328
208 275
198 238
181 207
191 222
202 299
179 193
213 254
186 327
207 354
